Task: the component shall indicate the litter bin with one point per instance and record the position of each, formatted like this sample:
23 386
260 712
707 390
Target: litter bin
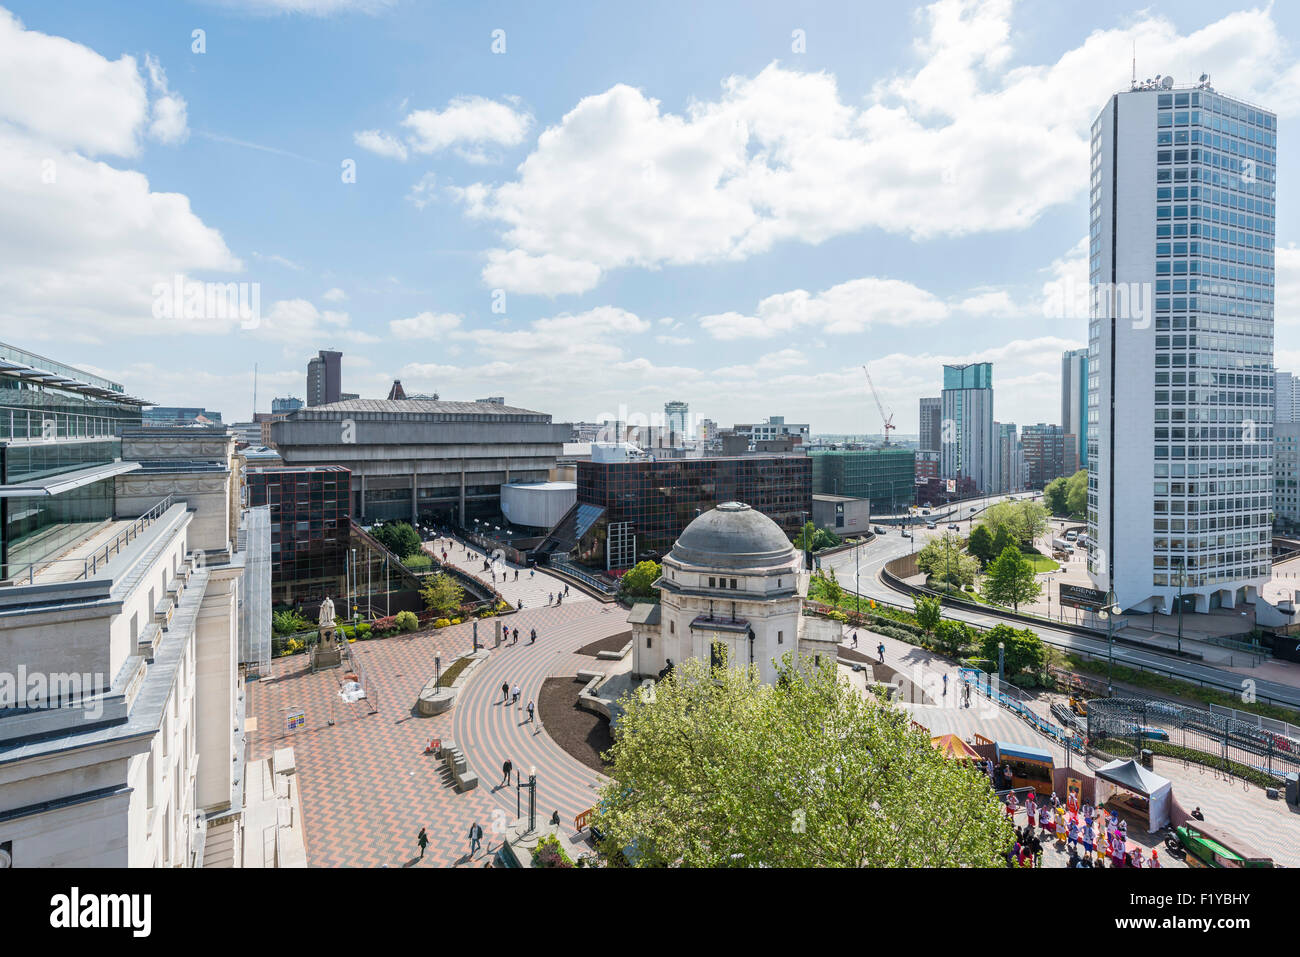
1148 760
1293 788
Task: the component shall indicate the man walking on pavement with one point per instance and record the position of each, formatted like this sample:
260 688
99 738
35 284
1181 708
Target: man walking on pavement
514 695
945 685
516 633
475 838
423 840
530 712
880 650
505 692
532 636
505 776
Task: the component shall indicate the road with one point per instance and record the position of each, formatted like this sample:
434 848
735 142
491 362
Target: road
871 558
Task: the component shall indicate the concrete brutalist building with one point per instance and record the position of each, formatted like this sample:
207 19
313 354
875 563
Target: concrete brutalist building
423 459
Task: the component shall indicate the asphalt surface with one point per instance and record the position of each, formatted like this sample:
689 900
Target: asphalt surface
871 558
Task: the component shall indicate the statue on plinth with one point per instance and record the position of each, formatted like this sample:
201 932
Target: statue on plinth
327 652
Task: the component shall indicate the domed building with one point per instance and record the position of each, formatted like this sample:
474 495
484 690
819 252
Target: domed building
731 593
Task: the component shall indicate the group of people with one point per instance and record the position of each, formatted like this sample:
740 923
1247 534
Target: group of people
511 696
1093 837
557 597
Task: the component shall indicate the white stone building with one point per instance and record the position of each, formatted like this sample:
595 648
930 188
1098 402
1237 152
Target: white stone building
731 592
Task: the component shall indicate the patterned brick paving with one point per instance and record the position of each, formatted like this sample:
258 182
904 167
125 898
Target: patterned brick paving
367 786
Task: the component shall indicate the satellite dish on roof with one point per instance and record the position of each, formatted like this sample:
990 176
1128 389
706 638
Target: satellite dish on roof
1204 77
1167 83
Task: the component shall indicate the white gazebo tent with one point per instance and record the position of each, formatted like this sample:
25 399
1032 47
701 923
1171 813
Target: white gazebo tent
1131 776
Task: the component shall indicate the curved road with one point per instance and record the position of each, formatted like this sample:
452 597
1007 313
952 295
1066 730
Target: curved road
871 559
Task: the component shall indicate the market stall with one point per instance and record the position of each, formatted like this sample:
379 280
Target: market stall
1128 786
951 746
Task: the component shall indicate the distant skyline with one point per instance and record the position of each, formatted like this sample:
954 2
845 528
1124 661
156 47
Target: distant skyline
584 207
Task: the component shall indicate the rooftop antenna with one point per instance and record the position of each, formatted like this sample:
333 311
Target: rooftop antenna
255 389
1134 82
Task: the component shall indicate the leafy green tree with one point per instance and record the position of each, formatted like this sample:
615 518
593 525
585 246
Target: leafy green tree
639 580
406 621
1024 649
806 540
1076 493
1022 520
715 769
442 594
288 622
953 637
980 544
831 590
1054 495
928 612
398 537
1001 542
1010 579
943 560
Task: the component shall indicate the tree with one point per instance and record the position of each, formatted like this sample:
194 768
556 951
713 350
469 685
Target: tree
1023 648
1076 493
1023 521
953 637
928 612
442 594
1054 495
815 538
1001 542
639 580
831 591
943 560
716 769
980 544
1010 579
406 621
398 537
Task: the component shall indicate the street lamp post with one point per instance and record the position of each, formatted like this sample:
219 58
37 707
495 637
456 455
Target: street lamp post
532 799
1110 611
1001 648
1182 580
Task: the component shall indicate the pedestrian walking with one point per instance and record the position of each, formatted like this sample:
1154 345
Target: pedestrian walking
516 637
516 574
505 773
945 686
475 838
530 712
532 635
514 695
550 597
423 840
532 572
566 591
855 639
505 691
880 650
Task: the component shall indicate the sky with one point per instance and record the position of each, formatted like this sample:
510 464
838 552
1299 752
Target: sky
588 208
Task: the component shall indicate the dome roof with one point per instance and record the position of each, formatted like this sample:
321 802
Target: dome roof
733 535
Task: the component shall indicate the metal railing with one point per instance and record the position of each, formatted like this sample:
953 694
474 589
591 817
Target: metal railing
92 563
604 586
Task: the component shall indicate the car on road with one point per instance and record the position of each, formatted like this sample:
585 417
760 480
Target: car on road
954 526
906 533
1071 535
878 530
974 509
930 525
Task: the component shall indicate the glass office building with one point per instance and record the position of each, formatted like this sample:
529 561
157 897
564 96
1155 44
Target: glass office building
886 476
1180 362
60 450
310 511
647 503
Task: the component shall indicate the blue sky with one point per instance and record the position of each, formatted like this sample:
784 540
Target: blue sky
731 204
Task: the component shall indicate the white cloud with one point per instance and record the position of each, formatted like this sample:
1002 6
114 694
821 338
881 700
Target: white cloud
168 123
543 274
334 295
993 302
472 120
381 143
423 191
84 243
427 325
965 143
850 307
298 322
674 340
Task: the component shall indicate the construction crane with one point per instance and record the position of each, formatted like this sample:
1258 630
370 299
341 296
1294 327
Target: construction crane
887 419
